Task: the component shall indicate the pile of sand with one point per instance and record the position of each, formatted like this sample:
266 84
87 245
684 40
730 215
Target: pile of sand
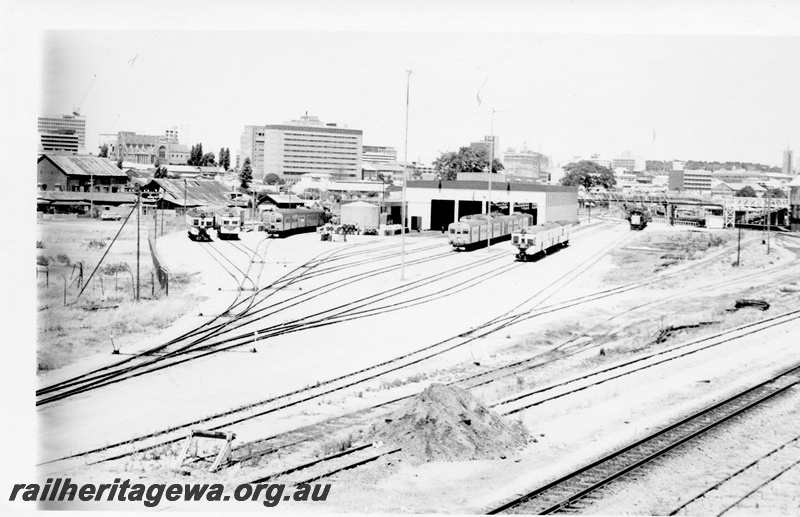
445 423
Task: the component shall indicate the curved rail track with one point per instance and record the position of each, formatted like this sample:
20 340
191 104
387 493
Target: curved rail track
565 493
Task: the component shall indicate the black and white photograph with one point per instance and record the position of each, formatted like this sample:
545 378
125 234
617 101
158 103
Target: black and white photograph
402 257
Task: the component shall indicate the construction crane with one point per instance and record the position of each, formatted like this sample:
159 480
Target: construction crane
77 111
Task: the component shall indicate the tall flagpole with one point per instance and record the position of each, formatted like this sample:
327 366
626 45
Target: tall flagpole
405 179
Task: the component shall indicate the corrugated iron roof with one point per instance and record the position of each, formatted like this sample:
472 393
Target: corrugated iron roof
280 199
84 165
96 197
197 192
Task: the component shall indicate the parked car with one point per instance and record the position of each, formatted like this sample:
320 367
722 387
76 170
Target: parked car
108 215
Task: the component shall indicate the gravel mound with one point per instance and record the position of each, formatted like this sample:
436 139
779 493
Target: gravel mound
446 423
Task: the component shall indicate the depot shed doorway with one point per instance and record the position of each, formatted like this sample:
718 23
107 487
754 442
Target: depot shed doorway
442 213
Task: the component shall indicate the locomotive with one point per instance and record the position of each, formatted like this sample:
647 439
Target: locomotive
472 231
283 221
228 224
199 223
535 241
638 217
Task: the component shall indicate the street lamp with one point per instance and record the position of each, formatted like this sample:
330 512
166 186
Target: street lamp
405 177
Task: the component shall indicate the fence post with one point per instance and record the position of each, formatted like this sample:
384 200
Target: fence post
166 284
152 284
65 289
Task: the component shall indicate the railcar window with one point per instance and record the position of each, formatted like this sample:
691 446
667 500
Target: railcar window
195 222
452 230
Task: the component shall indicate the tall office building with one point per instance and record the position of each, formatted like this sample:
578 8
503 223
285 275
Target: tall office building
65 125
788 157
302 146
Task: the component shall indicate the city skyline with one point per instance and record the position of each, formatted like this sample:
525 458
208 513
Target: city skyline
567 94
708 88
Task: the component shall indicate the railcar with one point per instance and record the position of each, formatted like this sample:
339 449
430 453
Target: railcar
472 231
638 217
536 241
200 223
283 221
228 224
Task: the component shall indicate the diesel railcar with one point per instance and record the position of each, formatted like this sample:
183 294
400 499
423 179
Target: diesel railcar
283 221
228 224
638 217
473 231
535 241
200 223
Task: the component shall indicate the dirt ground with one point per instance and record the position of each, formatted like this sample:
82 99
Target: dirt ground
693 303
101 311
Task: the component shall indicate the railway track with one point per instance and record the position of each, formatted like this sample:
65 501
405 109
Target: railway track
528 399
565 493
737 487
291 399
288 400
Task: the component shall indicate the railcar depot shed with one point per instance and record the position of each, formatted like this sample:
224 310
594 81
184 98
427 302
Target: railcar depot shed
433 205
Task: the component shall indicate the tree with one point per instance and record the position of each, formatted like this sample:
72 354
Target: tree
224 158
119 163
104 151
246 175
208 160
382 178
746 191
588 174
773 192
196 155
272 179
227 163
467 159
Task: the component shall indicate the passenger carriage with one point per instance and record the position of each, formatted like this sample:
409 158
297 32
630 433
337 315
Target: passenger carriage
281 222
200 223
537 240
228 224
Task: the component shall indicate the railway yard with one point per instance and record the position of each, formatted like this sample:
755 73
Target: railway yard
615 375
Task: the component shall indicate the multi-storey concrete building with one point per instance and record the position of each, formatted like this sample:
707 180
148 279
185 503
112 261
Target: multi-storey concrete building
378 154
788 157
690 180
65 125
526 163
487 141
628 161
58 143
300 147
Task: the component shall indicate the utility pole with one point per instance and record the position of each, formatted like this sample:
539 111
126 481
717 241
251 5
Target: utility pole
738 246
138 233
489 206
405 179
768 222
91 195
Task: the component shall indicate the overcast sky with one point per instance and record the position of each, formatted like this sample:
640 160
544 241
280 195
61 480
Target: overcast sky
664 82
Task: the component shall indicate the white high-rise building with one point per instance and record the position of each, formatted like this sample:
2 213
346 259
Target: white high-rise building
302 146
65 125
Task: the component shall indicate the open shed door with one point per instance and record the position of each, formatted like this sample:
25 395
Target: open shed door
442 213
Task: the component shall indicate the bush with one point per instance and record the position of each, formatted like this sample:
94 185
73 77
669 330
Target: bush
119 267
39 245
41 260
96 243
64 259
